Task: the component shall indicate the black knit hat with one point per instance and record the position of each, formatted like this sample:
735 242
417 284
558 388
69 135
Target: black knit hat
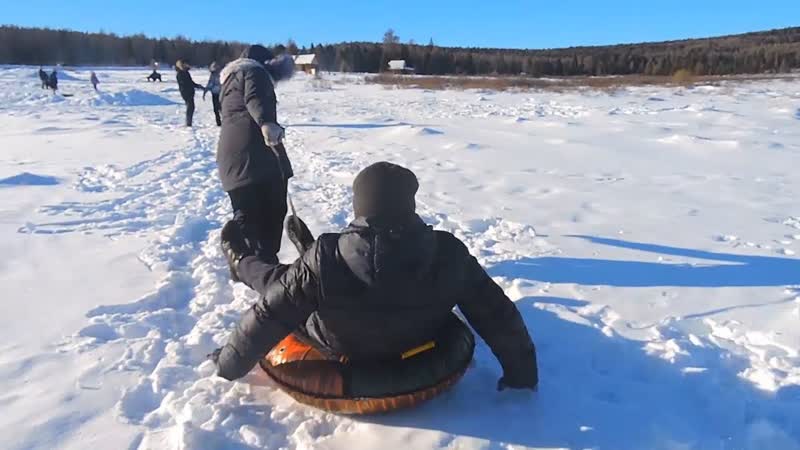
384 191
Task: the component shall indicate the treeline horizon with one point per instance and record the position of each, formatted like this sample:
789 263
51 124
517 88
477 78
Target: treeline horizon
775 51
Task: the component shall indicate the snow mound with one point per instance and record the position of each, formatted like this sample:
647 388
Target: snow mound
133 97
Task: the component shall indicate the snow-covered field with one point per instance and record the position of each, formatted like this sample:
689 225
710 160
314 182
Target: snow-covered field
649 236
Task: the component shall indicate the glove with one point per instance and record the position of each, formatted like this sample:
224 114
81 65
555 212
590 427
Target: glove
299 234
273 133
503 384
234 246
214 356
522 374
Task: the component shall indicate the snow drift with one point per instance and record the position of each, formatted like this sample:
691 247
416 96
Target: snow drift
132 97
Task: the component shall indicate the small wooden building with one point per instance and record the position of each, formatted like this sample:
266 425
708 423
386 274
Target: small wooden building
307 63
400 66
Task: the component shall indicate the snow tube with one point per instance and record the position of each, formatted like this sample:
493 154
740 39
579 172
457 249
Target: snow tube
368 387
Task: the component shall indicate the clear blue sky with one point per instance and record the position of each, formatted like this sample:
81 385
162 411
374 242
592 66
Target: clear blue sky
487 23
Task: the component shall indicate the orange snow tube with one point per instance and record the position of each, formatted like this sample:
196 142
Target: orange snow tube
369 387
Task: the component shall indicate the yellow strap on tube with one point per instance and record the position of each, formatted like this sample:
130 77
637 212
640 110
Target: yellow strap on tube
417 350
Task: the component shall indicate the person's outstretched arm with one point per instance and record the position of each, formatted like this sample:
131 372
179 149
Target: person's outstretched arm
191 80
289 295
496 319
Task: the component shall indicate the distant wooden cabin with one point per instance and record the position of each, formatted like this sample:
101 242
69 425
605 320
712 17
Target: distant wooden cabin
307 63
400 66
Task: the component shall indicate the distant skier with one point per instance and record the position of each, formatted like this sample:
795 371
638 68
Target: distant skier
253 165
52 81
378 288
186 86
214 87
154 76
94 80
44 79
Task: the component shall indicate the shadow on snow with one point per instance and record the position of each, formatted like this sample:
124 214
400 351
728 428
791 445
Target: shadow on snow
598 391
734 270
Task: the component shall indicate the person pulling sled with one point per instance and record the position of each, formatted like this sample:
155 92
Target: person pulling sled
253 165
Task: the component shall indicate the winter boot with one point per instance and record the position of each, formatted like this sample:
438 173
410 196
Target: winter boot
234 247
299 234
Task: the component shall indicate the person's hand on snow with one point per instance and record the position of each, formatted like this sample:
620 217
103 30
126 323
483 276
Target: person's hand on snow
505 383
273 133
519 377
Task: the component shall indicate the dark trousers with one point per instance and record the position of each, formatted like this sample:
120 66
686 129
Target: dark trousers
189 110
215 102
260 210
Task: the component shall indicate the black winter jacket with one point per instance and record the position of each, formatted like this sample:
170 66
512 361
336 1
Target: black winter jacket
186 84
248 102
369 293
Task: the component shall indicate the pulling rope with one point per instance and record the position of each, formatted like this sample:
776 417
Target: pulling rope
283 176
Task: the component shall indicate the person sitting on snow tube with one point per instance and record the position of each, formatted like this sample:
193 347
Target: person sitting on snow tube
385 285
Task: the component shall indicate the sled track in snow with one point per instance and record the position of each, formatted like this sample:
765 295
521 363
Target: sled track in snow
590 373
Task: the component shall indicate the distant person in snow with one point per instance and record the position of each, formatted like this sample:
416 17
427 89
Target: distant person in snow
253 165
154 75
381 286
52 81
186 86
44 79
94 80
214 87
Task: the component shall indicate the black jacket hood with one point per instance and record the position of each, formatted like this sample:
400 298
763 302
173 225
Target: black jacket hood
384 255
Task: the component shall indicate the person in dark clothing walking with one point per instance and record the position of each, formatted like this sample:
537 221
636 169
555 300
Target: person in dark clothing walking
94 80
52 81
214 87
186 86
253 164
383 285
43 78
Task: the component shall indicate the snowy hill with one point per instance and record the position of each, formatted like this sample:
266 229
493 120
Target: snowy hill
647 235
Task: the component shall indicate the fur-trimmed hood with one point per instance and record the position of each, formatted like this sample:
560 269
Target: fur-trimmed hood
238 65
278 69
